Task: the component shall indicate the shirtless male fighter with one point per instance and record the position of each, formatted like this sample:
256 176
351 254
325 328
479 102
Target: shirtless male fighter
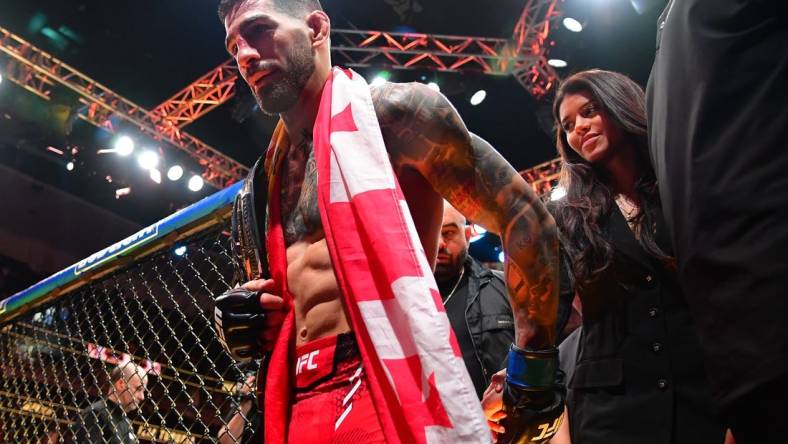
282 49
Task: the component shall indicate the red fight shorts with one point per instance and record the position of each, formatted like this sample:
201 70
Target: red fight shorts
332 403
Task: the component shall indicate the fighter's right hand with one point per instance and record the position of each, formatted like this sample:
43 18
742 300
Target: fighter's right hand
248 319
274 308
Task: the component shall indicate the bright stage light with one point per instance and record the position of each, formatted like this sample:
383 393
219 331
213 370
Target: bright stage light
501 256
155 175
196 183
558 193
478 97
434 86
378 81
148 159
1 77
175 173
380 78
180 251
477 232
70 166
120 192
557 63
124 146
572 24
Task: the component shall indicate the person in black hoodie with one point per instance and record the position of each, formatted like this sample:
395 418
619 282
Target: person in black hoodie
475 299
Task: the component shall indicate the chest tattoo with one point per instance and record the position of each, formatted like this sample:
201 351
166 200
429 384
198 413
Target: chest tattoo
300 214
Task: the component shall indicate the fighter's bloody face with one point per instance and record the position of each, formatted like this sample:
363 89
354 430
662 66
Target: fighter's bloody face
589 130
273 53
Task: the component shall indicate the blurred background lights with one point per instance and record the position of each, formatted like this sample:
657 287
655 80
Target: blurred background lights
557 63
478 97
572 24
196 183
175 172
558 193
148 159
124 146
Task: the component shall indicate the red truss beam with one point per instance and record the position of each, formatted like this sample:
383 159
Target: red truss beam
531 34
523 56
448 53
38 72
198 98
542 176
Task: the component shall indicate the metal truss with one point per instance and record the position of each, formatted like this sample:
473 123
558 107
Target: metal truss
530 37
198 98
524 56
542 177
447 53
39 72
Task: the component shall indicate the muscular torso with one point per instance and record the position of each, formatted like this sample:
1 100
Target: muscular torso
319 310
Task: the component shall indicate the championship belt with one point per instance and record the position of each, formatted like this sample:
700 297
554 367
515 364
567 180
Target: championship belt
238 317
249 210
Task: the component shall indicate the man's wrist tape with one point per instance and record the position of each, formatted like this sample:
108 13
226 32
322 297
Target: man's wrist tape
531 369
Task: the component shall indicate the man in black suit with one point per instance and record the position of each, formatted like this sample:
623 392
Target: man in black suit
718 119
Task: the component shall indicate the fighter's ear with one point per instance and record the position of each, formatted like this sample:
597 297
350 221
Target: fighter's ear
320 27
468 232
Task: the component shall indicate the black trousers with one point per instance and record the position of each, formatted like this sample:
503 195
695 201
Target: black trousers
718 128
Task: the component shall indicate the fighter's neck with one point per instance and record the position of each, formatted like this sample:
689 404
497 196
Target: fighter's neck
301 117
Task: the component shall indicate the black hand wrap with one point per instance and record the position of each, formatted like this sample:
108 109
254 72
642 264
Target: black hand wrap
533 396
239 319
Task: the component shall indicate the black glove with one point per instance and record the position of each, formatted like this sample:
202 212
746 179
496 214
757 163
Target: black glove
533 396
239 320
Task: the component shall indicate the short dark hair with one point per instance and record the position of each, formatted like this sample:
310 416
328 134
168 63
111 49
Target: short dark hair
290 7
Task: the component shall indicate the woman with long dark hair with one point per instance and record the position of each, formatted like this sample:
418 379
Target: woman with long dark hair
638 376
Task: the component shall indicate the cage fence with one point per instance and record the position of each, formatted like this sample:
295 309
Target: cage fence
129 354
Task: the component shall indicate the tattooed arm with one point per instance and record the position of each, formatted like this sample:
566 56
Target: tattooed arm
423 131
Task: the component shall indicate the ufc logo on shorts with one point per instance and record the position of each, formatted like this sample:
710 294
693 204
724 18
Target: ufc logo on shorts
306 360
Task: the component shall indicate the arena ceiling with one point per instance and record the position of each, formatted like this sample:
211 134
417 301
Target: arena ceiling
147 50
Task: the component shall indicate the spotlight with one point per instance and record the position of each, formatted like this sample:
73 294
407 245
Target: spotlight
120 192
477 232
124 146
70 166
196 183
434 86
558 193
557 63
572 24
148 159
380 78
1 77
478 97
175 173
501 257
155 175
180 251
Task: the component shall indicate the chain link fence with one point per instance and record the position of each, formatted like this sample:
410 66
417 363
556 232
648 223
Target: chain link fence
131 357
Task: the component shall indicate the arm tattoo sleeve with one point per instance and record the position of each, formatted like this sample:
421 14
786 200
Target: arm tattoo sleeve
425 132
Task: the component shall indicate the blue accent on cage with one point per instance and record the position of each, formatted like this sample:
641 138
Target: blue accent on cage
115 252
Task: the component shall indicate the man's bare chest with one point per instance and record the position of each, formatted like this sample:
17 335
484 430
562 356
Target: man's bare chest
300 213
